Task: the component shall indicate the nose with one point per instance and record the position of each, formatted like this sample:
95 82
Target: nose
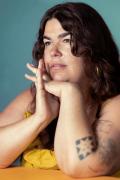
55 51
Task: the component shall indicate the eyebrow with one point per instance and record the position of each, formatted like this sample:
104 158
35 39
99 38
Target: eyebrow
62 35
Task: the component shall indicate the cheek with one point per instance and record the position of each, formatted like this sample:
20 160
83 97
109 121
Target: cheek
45 56
77 69
46 60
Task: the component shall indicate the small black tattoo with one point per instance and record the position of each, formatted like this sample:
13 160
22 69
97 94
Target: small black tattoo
85 146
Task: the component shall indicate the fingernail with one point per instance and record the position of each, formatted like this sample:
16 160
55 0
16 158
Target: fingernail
25 75
29 64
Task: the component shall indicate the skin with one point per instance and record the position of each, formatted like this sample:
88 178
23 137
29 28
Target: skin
77 140
12 120
94 154
58 51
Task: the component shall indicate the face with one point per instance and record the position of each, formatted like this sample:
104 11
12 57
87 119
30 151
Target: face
59 61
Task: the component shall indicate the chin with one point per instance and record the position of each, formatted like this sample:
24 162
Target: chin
59 78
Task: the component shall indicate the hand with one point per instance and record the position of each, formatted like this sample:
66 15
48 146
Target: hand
62 89
47 105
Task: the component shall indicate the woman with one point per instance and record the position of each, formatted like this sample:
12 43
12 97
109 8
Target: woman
77 87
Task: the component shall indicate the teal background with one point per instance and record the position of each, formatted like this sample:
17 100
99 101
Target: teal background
19 23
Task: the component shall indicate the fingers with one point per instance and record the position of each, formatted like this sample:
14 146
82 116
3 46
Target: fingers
39 81
31 68
34 70
31 78
41 67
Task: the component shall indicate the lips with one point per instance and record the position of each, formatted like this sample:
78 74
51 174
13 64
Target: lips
57 66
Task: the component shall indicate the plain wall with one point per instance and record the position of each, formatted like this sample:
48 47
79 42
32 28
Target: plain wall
19 23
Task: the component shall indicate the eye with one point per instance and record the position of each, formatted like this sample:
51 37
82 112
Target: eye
67 40
47 43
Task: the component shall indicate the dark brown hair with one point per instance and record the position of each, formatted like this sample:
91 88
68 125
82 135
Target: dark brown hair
92 40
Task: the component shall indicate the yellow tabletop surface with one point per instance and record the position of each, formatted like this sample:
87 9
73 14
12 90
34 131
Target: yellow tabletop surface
21 173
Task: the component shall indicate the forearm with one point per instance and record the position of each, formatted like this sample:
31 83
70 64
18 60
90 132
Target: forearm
15 138
73 125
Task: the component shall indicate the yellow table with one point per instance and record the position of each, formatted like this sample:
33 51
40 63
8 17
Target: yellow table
21 173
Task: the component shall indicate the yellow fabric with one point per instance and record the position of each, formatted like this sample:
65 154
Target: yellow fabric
37 157
27 114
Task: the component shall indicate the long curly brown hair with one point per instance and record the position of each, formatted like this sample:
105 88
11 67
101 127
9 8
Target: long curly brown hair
92 40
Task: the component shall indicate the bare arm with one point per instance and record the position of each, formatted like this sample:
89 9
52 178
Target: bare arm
15 138
15 110
79 151
16 133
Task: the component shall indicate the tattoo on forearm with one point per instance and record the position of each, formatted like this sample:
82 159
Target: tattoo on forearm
85 146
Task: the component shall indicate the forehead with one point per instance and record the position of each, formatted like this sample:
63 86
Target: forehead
52 27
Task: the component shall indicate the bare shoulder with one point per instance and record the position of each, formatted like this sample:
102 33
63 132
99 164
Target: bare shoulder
107 130
110 114
15 110
109 117
110 110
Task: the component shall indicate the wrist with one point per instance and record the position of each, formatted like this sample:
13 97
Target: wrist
39 118
39 122
71 91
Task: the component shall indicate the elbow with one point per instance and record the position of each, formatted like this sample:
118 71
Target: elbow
73 170
88 168
6 160
85 171
4 163
76 172
3 166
